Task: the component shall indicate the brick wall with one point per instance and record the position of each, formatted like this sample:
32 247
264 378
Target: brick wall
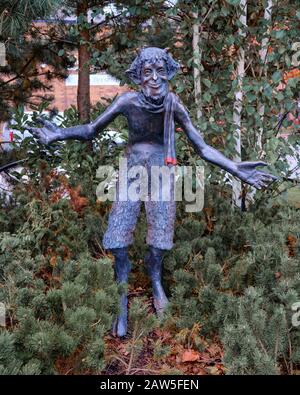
65 96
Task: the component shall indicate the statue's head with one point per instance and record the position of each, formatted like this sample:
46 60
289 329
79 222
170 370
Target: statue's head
152 69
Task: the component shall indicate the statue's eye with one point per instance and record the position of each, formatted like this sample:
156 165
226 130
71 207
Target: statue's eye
147 72
161 70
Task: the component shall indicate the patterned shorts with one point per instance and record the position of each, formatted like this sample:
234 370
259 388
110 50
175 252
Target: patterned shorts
160 213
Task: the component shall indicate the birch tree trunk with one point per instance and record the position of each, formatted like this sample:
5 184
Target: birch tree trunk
197 55
238 105
261 107
263 57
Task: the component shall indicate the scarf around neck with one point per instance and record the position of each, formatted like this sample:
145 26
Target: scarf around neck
167 106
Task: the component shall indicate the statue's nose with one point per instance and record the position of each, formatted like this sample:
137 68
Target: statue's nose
154 76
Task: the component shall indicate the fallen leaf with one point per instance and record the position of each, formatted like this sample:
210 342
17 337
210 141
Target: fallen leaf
190 356
213 370
53 260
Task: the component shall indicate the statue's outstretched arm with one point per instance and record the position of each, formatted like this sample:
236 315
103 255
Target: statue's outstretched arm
51 132
246 171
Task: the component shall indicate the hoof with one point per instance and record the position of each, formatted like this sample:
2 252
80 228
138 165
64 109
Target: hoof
120 327
159 307
120 324
160 302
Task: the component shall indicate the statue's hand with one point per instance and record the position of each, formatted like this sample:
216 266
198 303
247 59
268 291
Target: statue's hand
248 173
47 134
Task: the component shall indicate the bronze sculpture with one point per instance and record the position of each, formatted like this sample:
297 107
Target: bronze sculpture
151 114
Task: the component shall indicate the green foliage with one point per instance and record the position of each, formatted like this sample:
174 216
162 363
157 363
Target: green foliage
13 19
54 310
26 49
58 289
220 44
240 281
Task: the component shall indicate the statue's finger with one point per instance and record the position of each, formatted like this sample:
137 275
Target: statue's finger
259 163
269 177
257 185
33 131
41 120
262 184
46 123
50 125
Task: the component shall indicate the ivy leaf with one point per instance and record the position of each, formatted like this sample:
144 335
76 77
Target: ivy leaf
250 110
276 77
207 97
280 34
203 126
233 2
251 97
280 96
206 82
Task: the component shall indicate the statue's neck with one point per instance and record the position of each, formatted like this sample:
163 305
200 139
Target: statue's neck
153 100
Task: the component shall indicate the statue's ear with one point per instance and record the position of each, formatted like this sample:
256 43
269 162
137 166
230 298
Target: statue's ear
172 69
133 76
173 66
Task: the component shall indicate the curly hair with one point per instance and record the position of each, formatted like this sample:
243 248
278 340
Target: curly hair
153 55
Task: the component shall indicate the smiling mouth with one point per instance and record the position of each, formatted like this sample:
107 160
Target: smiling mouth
154 86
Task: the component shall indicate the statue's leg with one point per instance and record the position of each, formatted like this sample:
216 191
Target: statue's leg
153 261
118 236
122 269
160 220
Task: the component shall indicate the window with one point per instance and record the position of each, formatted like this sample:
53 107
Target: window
99 79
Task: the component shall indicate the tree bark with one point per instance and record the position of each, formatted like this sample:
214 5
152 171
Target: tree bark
83 91
197 54
238 105
263 57
263 53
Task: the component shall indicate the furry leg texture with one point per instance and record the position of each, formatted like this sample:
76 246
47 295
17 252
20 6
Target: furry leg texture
153 262
122 270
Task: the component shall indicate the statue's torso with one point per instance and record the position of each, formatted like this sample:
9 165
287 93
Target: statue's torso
144 126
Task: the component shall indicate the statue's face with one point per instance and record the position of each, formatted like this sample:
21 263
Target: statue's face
154 81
